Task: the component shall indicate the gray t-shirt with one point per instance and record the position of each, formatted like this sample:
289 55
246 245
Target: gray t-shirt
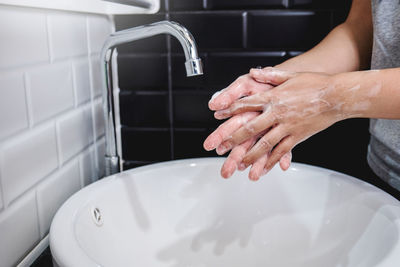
384 147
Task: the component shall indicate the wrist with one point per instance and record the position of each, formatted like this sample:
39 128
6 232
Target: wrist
354 93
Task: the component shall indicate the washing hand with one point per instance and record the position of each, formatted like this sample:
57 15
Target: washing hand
243 86
300 105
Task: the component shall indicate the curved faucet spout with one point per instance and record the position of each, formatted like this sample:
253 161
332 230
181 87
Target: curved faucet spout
193 67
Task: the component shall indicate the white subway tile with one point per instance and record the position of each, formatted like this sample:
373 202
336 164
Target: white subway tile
98 118
75 132
96 75
23 37
13 112
54 191
87 167
51 90
101 151
19 230
1 197
26 160
81 80
99 29
67 35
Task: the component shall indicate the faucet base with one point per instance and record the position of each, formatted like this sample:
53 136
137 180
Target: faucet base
112 165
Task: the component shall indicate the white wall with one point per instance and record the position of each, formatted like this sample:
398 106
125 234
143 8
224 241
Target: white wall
51 124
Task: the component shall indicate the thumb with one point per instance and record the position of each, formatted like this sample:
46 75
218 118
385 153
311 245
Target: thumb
271 75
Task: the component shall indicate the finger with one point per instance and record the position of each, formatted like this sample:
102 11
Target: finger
243 86
226 129
225 97
255 126
285 161
264 145
271 75
257 169
258 102
279 151
235 158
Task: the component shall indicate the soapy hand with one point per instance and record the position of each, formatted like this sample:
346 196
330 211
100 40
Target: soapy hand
300 105
243 86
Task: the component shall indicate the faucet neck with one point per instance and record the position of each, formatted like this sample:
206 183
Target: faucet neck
193 67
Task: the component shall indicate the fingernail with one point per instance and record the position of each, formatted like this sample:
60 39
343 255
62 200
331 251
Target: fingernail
256 71
209 147
222 149
254 179
214 96
221 114
242 167
264 172
209 144
217 114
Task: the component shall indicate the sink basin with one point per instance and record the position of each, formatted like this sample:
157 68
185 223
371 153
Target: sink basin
181 213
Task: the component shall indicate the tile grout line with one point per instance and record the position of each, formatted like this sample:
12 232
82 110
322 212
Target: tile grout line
48 33
74 84
1 180
28 98
92 95
79 157
332 14
170 95
39 64
37 211
58 143
244 29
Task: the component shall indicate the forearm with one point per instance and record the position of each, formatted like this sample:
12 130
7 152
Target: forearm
346 48
368 94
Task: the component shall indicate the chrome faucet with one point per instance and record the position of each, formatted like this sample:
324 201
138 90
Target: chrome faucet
193 66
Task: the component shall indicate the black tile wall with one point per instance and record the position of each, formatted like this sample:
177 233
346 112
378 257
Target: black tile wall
243 4
287 29
212 30
343 148
164 113
179 5
146 144
144 108
156 44
137 72
224 68
129 164
336 4
189 143
191 109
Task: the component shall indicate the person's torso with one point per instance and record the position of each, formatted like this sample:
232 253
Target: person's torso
384 150
386 45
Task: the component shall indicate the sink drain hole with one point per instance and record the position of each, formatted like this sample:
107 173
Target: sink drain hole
97 217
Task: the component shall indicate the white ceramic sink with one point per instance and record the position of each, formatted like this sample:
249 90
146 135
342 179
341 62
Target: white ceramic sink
182 213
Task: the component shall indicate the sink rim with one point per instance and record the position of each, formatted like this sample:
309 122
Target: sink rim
64 239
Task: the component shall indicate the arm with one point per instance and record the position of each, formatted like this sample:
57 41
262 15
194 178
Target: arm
369 94
345 48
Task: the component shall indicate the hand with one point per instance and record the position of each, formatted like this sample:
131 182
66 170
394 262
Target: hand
243 86
302 105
